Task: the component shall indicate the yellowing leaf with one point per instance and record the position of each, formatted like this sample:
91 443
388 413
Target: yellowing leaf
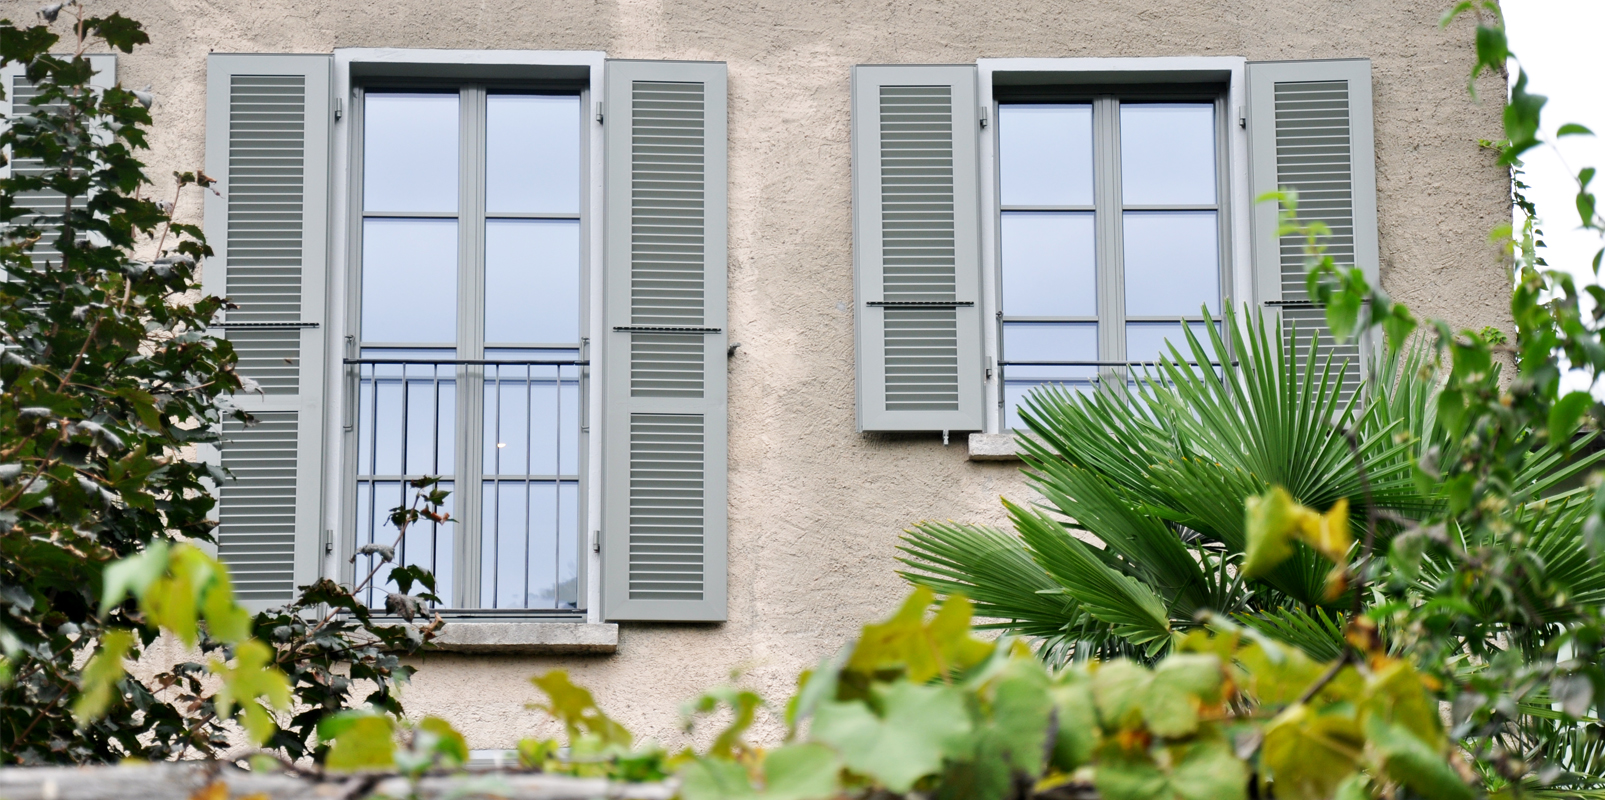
365 741
132 575
922 650
253 676
1272 519
100 676
575 707
1307 754
1328 533
216 790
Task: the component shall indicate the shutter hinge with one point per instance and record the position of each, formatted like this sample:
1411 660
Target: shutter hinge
599 112
339 108
328 540
944 438
983 117
596 541
989 368
1242 119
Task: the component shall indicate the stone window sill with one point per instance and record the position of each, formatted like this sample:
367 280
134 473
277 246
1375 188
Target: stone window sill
543 638
993 447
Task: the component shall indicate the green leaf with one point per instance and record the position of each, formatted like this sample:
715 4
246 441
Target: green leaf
100 676
1182 684
133 575
1573 129
1203 769
921 726
362 741
1076 721
1271 523
807 771
1021 708
1119 688
1412 762
715 779
450 746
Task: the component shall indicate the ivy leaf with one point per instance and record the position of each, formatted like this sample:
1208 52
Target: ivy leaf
1328 533
1119 688
1021 709
362 741
921 726
806 771
100 676
1573 129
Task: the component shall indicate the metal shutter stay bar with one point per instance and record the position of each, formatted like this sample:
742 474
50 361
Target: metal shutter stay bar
227 325
919 303
663 329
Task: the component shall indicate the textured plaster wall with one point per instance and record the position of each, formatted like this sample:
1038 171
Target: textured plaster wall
815 508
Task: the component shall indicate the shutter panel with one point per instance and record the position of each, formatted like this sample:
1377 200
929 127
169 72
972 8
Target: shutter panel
48 205
1310 131
268 134
916 248
664 370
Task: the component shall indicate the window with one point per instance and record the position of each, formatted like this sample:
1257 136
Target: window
1110 235
469 337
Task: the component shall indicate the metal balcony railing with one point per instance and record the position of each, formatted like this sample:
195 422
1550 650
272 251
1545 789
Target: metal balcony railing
521 474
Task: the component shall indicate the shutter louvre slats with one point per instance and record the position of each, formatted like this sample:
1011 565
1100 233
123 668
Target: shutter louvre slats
268 136
664 428
916 239
1310 132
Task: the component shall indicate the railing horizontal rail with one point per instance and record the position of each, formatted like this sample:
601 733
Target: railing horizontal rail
1097 363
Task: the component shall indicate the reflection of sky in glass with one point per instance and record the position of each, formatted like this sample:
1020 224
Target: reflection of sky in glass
1049 264
1172 263
409 152
1045 154
1167 153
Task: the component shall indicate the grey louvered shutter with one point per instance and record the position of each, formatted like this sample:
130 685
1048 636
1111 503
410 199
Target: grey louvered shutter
664 420
47 205
1310 131
268 133
916 248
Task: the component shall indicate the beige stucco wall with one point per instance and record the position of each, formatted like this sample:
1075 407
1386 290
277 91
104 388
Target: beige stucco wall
815 508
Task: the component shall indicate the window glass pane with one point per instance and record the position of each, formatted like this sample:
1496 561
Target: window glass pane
1167 153
1049 264
532 153
1045 154
532 281
1045 341
1172 263
409 280
568 571
1146 341
1049 341
409 152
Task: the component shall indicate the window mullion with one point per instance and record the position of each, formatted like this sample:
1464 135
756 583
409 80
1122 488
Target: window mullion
1106 197
470 344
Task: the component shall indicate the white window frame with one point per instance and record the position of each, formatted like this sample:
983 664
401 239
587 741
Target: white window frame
440 63
1231 70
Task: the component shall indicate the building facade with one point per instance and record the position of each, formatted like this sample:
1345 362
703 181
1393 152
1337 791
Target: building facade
697 306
